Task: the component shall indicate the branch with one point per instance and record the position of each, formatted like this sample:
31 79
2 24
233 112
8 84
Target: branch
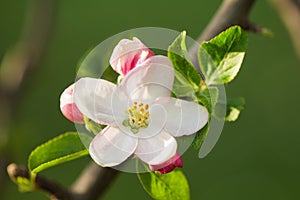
41 183
27 53
231 12
289 11
18 64
93 182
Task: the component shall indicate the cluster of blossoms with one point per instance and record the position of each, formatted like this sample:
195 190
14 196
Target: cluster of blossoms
141 117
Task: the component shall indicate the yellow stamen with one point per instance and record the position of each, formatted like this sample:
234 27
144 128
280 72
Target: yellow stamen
137 117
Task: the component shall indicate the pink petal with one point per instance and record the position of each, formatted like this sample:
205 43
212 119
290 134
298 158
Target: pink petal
166 169
69 108
169 165
128 54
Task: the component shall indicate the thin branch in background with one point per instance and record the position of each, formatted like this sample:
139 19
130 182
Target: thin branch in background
289 11
28 52
17 66
231 12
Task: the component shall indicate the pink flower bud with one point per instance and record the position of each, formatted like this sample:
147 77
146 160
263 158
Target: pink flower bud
169 165
128 54
69 108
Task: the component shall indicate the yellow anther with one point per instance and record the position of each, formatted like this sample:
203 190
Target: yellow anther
138 115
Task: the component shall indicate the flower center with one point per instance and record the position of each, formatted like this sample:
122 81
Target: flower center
138 116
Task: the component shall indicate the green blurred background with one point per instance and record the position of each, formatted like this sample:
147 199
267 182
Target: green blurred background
255 158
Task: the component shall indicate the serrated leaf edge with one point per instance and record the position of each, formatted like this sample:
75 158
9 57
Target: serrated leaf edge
42 166
156 175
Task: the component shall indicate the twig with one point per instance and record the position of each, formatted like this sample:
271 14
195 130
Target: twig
231 12
289 11
55 190
93 182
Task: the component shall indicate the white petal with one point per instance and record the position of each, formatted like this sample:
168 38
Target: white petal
183 117
157 149
93 97
112 147
154 78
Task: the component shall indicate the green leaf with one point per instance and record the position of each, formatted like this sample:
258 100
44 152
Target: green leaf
234 107
172 185
200 136
64 148
178 54
208 97
221 58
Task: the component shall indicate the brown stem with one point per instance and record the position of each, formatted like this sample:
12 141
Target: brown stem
41 183
231 12
93 182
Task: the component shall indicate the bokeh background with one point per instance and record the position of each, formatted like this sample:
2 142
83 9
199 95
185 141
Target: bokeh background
255 158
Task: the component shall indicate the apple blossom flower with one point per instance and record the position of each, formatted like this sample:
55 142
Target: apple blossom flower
128 54
68 107
141 117
169 165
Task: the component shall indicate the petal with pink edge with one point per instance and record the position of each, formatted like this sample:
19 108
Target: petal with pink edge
128 54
